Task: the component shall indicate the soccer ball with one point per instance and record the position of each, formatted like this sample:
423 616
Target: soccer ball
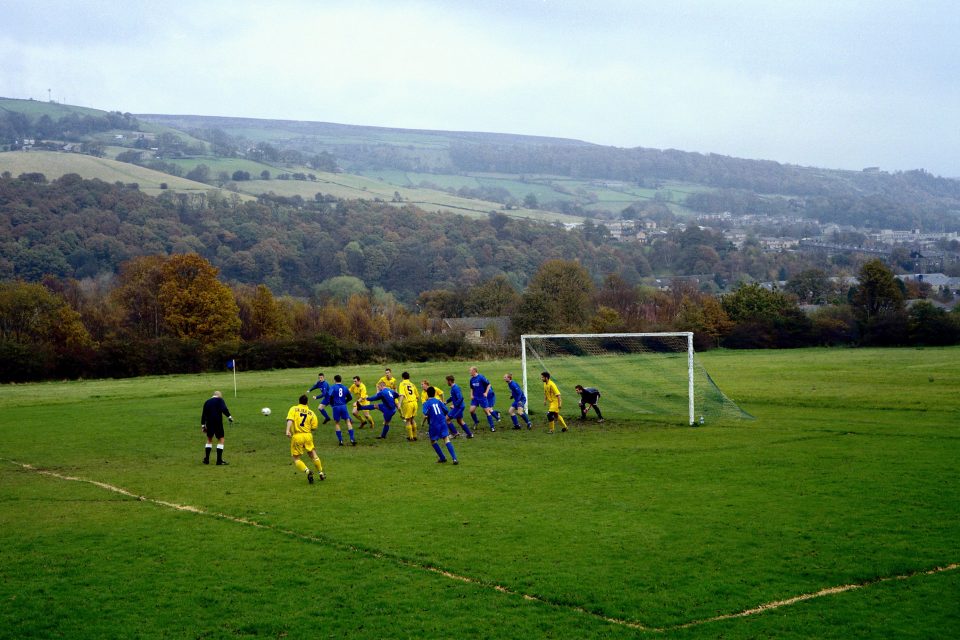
265 411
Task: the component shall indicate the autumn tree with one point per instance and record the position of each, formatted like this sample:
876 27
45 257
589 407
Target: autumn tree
534 314
622 297
441 303
303 318
38 332
195 304
91 298
765 318
606 320
564 290
493 297
365 326
261 316
30 313
138 293
706 318
334 320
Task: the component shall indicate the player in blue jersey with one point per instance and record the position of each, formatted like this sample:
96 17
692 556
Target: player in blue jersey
436 413
479 388
492 403
457 408
324 388
388 399
518 406
339 397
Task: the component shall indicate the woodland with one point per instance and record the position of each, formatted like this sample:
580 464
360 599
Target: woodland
101 280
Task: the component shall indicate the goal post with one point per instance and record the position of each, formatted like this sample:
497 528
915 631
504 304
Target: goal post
653 374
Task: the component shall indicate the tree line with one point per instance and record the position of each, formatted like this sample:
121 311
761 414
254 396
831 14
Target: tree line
173 314
76 228
102 280
15 125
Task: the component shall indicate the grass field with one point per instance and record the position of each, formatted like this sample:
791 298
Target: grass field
342 185
349 186
54 164
597 196
834 514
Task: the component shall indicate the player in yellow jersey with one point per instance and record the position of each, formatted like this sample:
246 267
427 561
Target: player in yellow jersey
425 384
301 423
409 401
551 398
388 380
359 391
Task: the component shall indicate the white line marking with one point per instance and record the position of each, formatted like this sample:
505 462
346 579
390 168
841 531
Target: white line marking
496 587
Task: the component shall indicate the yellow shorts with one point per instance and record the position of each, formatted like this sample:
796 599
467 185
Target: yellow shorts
301 443
554 406
408 410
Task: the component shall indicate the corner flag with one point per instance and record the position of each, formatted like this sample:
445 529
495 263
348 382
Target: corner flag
232 365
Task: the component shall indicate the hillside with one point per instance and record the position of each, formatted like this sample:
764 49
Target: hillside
475 173
54 164
584 179
302 132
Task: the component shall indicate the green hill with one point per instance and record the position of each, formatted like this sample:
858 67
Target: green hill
589 180
476 172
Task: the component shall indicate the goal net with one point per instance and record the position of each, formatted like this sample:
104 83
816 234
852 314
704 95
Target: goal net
654 374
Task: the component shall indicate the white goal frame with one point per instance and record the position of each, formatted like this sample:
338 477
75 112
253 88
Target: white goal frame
677 334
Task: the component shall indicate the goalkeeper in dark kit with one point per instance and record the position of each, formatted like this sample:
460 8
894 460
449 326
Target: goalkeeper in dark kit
589 397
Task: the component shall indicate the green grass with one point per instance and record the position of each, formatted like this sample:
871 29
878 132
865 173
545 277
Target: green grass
217 164
39 108
342 185
632 529
350 186
596 195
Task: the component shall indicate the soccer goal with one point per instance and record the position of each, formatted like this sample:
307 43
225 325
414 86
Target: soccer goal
654 374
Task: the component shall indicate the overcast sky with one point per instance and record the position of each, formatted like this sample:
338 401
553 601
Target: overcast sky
839 84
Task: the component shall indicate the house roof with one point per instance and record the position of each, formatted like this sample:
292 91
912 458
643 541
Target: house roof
477 323
933 279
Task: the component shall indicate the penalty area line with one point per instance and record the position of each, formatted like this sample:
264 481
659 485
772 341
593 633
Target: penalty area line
371 553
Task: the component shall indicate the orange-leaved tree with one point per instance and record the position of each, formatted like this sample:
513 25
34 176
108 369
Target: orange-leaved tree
195 304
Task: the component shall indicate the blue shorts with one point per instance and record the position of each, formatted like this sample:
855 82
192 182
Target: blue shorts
518 404
456 412
387 413
439 432
340 412
479 402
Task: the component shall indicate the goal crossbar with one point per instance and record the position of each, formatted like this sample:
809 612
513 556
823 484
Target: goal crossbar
677 334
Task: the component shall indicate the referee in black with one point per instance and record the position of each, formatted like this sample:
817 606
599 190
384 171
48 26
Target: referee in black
211 423
589 397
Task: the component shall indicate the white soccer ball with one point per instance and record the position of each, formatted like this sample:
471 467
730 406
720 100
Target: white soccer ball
265 411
